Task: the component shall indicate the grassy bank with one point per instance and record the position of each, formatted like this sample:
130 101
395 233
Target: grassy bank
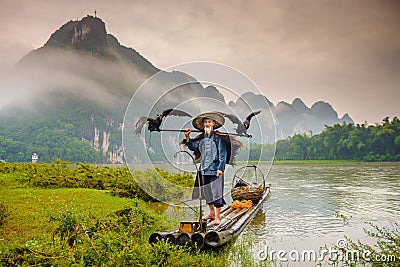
46 225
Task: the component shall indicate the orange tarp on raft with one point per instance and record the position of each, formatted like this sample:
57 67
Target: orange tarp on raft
241 204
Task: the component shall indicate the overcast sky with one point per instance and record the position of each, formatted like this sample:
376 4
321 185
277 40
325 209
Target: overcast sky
346 53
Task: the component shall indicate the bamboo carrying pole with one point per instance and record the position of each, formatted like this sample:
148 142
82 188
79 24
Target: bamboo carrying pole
198 131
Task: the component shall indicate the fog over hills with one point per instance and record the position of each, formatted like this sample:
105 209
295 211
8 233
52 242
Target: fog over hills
82 76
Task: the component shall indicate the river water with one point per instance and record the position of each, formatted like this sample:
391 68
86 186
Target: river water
313 205
300 213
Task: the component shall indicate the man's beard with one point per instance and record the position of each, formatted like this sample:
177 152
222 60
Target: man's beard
208 130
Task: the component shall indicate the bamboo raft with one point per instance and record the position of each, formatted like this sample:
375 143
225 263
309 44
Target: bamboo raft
234 220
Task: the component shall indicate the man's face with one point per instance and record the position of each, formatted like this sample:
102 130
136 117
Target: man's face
208 123
208 126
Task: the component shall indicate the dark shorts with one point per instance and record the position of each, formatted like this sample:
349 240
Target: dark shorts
214 190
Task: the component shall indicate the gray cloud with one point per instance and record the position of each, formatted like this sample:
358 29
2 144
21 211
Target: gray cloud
109 83
343 52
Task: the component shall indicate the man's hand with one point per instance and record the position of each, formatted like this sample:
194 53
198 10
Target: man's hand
219 173
187 133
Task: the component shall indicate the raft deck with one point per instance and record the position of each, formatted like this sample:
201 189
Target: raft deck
233 222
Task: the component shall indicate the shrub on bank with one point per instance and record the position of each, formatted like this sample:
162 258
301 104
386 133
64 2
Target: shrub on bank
385 252
119 239
116 239
118 181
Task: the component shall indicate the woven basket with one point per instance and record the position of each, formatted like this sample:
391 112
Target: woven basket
247 193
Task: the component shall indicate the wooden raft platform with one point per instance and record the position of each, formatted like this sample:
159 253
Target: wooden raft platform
233 222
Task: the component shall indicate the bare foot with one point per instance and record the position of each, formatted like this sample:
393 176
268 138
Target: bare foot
208 217
216 222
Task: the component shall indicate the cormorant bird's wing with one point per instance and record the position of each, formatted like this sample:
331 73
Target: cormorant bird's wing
174 112
232 118
246 123
248 118
139 124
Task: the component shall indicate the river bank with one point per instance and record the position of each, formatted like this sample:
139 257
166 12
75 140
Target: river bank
50 225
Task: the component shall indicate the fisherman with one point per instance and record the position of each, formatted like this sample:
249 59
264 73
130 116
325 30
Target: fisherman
214 150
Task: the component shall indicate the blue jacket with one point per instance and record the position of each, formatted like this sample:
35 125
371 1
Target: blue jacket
213 152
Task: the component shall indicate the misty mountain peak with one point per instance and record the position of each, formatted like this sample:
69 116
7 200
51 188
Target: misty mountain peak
346 118
87 34
299 106
283 106
212 91
324 109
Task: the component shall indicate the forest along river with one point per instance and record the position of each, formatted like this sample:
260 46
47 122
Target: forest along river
300 212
